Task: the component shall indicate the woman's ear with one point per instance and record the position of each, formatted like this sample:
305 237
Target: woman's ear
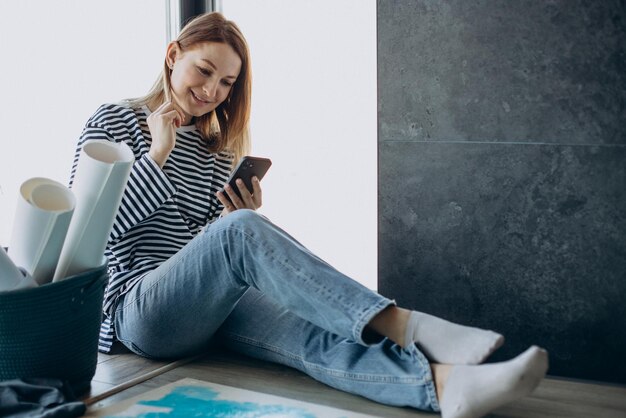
173 53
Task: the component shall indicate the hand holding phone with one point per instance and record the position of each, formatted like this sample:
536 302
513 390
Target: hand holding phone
247 168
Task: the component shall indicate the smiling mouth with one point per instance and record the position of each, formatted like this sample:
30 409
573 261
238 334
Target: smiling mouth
199 99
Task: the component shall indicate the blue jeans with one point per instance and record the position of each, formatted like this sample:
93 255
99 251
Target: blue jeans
247 284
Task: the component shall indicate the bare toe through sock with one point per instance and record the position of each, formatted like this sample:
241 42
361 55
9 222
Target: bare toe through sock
449 343
473 391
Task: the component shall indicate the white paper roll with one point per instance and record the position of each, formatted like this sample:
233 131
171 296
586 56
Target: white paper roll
42 219
99 182
11 277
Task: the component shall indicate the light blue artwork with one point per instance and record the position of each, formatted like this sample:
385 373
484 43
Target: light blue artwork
194 401
195 398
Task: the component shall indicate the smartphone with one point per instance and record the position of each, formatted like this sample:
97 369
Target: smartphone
247 168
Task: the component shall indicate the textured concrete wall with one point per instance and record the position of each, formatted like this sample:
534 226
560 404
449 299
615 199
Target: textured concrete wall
502 172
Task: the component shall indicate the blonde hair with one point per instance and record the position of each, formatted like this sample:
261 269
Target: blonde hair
227 127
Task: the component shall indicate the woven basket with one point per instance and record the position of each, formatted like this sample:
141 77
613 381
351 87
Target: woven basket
52 330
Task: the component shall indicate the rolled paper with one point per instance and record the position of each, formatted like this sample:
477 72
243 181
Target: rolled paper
11 277
99 182
42 219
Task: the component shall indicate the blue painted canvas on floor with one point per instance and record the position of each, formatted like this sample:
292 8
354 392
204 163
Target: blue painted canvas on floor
196 398
194 401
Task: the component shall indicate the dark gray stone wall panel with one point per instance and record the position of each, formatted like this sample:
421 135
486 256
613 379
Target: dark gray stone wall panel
496 70
528 240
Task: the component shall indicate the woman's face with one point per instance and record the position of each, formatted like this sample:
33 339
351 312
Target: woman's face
202 76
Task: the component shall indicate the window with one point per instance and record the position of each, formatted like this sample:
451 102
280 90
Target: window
314 104
60 61
314 114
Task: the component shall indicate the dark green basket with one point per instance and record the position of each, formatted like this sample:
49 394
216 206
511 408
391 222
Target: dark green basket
52 330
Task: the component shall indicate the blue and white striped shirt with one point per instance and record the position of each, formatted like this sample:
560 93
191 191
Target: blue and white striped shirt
161 209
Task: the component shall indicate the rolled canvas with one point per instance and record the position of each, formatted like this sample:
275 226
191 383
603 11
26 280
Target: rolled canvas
11 278
42 219
100 179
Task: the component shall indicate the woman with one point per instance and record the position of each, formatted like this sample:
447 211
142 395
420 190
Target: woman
188 265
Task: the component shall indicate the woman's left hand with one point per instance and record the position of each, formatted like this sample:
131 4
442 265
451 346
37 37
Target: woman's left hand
248 200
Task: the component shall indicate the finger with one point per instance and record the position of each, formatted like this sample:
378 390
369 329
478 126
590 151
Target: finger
178 119
235 200
172 117
245 194
257 194
168 106
181 114
228 206
162 107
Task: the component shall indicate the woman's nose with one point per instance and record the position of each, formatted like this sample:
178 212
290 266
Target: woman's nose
210 89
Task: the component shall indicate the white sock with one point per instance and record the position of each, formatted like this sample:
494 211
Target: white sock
473 391
449 343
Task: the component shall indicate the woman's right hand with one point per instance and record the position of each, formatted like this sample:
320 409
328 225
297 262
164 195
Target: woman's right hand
162 124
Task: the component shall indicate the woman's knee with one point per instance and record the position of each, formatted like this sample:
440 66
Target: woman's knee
230 227
242 217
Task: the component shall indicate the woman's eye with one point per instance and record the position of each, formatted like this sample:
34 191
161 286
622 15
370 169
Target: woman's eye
204 71
226 83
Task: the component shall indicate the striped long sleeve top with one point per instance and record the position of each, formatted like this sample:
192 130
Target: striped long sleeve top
161 209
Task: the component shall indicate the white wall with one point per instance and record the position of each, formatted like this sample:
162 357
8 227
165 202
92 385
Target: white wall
314 104
314 115
60 60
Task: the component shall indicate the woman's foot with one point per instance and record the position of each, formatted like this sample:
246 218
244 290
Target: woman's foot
473 391
449 343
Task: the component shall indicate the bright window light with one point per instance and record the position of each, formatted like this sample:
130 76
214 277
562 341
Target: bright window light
314 104
314 115
60 61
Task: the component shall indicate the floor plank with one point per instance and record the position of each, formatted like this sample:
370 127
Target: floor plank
124 367
561 398
553 398
96 389
250 374
106 357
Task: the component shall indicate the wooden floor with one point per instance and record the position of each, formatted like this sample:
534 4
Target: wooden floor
553 398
